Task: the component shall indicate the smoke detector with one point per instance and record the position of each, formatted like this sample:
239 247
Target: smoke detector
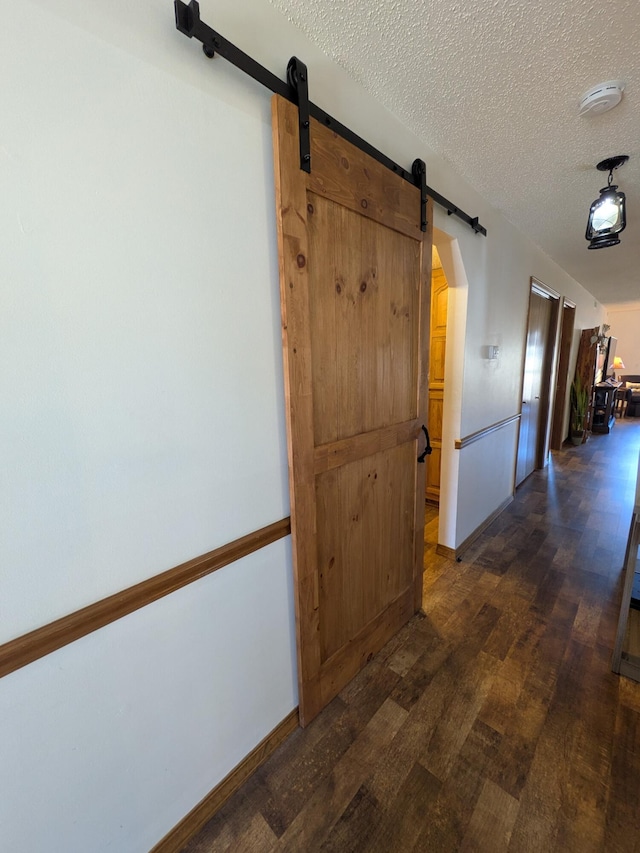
600 98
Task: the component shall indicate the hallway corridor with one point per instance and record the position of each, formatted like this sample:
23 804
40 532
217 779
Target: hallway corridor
494 722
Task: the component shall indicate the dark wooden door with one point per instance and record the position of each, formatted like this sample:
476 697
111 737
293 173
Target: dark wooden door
354 281
560 404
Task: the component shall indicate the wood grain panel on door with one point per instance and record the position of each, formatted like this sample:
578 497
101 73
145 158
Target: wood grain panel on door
354 276
357 387
436 402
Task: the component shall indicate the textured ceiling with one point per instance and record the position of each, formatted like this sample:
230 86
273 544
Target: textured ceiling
493 87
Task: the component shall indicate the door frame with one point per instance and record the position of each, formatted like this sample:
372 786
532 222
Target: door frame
567 326
548 374
436 443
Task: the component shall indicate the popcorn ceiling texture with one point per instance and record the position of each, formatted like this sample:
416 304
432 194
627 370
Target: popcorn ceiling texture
493 88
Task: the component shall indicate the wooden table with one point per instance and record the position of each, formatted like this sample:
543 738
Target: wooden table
622 401
604 399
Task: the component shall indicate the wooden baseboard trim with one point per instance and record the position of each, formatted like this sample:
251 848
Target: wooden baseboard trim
629 669
449 553
456 554
178 837
36 644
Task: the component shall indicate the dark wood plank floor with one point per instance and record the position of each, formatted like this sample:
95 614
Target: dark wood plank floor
494 723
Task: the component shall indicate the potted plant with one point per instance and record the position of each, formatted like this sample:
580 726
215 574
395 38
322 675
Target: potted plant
579 406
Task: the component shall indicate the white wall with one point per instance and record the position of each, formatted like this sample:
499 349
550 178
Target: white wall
489 282
139 295
141 399
488 462
107 743
625 326
141 423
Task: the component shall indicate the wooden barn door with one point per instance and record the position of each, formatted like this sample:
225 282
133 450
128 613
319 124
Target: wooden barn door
354 282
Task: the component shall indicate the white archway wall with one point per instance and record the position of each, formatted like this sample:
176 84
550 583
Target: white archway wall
451 259
489 283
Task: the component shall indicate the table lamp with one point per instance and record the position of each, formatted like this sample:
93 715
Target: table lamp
618 364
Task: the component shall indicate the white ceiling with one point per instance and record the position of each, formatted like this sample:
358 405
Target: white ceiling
493 87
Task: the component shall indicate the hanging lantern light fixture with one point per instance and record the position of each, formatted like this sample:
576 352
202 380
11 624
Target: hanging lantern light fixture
607 215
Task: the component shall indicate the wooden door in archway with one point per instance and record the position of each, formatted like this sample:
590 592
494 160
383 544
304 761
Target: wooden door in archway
533 436
558 435
437 349
354 282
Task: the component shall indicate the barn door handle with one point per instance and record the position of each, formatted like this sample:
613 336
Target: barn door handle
419 171
428 448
